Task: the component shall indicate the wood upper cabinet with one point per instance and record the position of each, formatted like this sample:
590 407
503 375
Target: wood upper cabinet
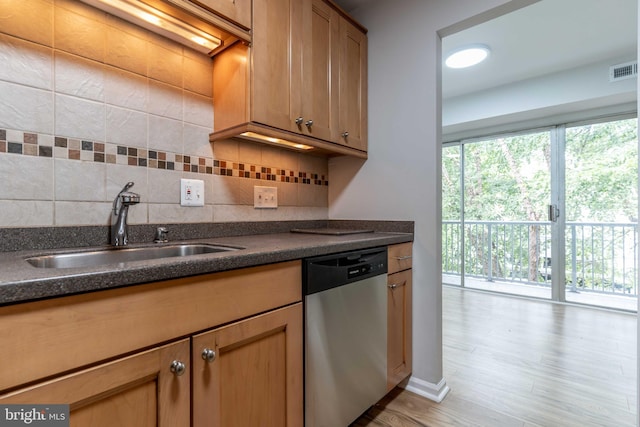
320 54
352 92
295 66
238 11
276 64
250 373
136 391
292 77
399 314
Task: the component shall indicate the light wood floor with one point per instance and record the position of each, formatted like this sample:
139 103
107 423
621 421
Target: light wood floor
517 362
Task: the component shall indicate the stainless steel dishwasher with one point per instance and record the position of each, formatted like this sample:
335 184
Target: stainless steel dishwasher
345 298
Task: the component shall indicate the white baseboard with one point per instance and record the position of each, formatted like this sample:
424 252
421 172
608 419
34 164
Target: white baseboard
431 391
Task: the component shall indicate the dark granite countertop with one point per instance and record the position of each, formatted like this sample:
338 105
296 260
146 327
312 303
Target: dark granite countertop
20 281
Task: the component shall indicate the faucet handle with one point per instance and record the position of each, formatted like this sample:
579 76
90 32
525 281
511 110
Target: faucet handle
129 198
161 235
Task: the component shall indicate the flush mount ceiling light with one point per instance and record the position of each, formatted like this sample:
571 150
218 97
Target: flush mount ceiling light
157 21
467 56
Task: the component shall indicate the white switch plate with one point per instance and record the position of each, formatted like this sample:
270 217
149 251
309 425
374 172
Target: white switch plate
265 197
191 192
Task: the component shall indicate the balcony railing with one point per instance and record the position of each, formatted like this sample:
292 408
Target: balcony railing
600 257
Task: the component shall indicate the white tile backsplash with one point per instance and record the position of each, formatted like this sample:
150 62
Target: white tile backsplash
164 186
16 185
26 213
235 213
79 77
196 141
140 104
126 127
198 110
165 134
26 108
172 213
165 100
139 214
82 213
126 89
79 118
25 63
80 181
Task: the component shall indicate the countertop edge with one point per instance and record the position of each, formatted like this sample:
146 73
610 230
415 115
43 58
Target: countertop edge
258 250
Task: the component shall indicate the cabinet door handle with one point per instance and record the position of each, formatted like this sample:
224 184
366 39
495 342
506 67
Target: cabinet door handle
178 368
309 123
345 134
208 355
299 121
393 286
402 258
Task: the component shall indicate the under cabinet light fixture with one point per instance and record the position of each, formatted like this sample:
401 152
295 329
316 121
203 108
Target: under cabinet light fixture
159 22
467 56
277 141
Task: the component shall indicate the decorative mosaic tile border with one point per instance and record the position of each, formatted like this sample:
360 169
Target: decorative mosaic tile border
245 170
32 144
42 145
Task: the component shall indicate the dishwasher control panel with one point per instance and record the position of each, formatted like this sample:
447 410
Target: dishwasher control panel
330 271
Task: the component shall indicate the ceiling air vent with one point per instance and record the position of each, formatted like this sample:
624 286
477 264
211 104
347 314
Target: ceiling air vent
623 71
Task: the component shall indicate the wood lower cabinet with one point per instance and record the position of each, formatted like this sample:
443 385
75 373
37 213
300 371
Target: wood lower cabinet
104 353
399 314
136 391
250 373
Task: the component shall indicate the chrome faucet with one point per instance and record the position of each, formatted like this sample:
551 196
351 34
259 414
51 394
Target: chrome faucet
124 199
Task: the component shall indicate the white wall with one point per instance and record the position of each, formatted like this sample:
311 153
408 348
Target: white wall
542 101
401 178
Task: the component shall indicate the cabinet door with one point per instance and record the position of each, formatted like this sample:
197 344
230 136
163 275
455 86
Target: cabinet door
135 391
250 373
320 69
277 63
238 11
399 340
353 87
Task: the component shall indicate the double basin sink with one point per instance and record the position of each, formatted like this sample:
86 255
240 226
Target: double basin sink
117 255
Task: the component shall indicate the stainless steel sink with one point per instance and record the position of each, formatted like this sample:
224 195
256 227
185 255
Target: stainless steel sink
117 255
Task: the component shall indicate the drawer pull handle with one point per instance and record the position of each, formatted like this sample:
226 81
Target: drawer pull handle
208 355
299 121
402 258
393 286
178 368
309 123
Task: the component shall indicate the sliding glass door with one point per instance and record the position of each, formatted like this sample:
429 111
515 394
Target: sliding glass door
547 213
601 213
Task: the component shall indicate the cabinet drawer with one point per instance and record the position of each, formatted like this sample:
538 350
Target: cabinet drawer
400 257
110 323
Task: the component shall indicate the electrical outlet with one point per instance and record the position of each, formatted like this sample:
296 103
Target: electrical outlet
191 192
265 197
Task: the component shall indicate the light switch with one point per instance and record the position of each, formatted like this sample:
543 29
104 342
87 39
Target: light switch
191 192
265 197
